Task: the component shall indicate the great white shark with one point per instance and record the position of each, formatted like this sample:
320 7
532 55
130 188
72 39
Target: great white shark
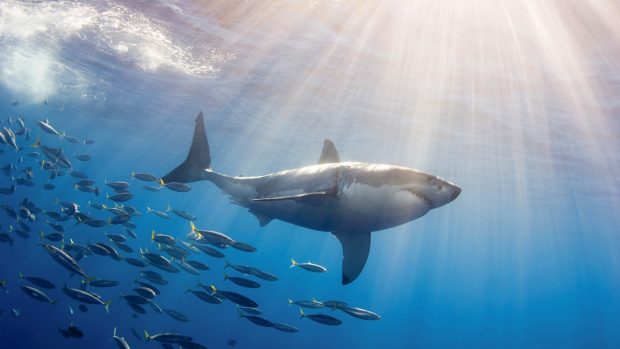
348 199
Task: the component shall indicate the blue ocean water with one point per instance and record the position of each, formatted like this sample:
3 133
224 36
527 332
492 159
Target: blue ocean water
516 103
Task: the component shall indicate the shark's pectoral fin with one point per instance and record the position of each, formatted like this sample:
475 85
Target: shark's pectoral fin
329 153
262 219
355 248
313 197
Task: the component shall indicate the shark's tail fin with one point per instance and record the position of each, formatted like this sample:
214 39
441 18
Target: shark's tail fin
198 159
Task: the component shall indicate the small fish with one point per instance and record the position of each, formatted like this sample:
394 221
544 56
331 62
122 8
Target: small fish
131 233
146 177
234 297
152 275
72 139
210 251
83 157
37 294
116 237
85 182
8 191
72 332
95 223
55 237
162 238
249 310
211 236
147 285
117 185
198 265
242 246
123 246
97 206
87 189
334 304
284 327
78 174
103 283
48 128
145 292
151 188
64 259
6 238
120 197
185 266
181 214
120 341
175 186
243 282
159 214
34 154
257 320
209 298
173 338
48 186
137 308
360 313
135 299
313 304
321 318
308 266
10 211
136 262
176 315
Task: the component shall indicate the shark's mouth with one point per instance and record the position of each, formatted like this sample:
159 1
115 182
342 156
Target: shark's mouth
422 197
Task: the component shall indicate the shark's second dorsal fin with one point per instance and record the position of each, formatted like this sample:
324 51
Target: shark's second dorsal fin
329 154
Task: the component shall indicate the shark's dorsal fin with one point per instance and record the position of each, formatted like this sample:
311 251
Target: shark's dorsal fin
329 154
355 248
262 219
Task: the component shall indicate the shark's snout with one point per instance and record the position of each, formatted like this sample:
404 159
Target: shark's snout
456 191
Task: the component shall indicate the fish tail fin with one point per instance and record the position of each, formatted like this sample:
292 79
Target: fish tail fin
293 263
226 264
114 332
146 336
213 288
153 235
225 277
21 276
290 302
41 236
193 226
168 208
198 159
106 305
88 280
239 311
301 313
148 209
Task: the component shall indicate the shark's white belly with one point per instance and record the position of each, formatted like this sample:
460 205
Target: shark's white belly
358 207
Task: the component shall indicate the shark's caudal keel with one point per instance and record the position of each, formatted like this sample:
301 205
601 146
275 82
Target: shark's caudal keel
348 199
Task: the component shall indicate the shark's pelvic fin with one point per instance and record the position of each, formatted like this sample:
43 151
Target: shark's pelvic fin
355 248
198 159
329 153
262 219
